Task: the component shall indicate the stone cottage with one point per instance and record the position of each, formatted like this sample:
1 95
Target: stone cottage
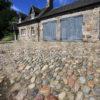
78 21
58 70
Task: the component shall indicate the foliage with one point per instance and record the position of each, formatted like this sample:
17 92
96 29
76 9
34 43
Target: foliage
8 37
7 15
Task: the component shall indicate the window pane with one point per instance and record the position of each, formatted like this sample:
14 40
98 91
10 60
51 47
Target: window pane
49 30
71 28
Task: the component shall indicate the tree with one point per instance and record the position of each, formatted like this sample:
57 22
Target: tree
6 17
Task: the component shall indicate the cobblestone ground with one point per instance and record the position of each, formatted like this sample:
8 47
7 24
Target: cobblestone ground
50 71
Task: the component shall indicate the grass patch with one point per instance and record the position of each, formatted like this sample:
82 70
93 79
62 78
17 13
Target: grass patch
8 38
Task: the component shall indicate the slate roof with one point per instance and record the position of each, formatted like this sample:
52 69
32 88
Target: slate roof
75 5
47 13
36 10
21 15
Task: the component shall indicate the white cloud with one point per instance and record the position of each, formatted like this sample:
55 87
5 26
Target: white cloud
15 8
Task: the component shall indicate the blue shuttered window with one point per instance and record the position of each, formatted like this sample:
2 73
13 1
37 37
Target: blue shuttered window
49 31
71 28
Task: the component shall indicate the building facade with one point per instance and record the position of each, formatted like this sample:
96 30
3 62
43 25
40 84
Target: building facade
78 21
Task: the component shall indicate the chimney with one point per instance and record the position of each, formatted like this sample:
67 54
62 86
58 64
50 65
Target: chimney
50 4
20 20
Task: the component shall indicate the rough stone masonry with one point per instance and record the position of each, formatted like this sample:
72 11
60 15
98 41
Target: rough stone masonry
50 71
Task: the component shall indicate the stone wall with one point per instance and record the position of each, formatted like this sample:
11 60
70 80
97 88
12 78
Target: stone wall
28 34
90 27
56 70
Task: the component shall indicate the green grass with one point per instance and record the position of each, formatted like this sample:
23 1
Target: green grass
8 38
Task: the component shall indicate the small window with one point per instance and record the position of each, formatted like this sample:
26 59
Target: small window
23 32
32 31
71 28
49 31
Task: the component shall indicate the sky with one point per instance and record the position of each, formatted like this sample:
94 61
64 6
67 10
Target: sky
24 5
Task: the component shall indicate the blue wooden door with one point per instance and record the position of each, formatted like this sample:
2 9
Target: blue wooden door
71 28
49 31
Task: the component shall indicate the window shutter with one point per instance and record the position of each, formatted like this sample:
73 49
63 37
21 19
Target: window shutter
78 24
65 29
71 28
49 31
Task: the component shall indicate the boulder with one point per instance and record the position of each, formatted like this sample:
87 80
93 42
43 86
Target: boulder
45 90
79 96
31 86
51 97
21 95
62 95
39 97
